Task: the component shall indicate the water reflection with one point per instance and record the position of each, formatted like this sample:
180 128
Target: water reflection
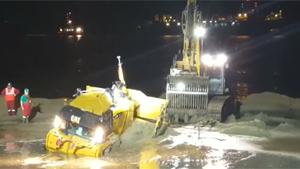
74 37
149 158
180 151
10 145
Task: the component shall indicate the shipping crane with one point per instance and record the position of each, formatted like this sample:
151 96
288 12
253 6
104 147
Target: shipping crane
195 90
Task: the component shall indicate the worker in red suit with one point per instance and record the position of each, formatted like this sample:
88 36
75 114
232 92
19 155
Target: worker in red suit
25 103
10 94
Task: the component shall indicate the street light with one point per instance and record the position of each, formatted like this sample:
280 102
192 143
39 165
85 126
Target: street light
199 32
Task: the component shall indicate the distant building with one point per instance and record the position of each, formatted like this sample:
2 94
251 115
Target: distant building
274 16
248 6
167 20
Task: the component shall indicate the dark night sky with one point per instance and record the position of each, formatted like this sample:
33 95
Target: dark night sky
44 14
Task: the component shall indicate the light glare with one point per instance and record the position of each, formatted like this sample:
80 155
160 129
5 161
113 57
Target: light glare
207 60
57 122
199 32
99 136
78 29
180 86
219 60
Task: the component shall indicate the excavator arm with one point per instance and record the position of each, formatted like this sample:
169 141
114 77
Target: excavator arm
191 44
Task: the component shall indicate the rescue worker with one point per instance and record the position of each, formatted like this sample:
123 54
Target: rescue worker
118 90
25 102
77 92
10 94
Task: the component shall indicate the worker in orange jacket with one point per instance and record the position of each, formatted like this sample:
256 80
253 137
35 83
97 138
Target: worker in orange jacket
10 94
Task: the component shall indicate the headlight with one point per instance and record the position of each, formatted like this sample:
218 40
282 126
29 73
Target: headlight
221 59
57 122
98 136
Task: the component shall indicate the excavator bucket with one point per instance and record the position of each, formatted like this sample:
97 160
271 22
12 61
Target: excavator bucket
187 96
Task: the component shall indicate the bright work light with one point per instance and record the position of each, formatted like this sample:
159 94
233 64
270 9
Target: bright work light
199 32
218 60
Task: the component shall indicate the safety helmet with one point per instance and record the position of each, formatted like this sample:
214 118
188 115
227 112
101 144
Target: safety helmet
26 90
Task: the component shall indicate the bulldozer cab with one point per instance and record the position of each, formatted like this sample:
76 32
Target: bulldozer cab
118 91
83 123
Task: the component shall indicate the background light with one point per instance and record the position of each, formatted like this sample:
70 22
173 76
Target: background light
78 29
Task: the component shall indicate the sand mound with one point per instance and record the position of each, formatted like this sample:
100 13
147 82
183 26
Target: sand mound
270 102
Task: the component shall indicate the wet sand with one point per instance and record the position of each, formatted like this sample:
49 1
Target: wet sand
12 128
22 145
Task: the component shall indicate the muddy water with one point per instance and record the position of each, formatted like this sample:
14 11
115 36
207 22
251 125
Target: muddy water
181 147
177 151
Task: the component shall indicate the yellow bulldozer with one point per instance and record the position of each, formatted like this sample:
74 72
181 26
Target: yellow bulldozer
91 123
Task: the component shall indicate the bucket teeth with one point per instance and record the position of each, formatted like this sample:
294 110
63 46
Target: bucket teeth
187 95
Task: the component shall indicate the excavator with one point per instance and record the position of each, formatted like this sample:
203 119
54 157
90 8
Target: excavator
195 87
91 123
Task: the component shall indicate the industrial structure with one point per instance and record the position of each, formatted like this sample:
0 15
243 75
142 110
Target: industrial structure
70 29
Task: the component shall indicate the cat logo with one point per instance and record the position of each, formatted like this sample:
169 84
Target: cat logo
75 119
